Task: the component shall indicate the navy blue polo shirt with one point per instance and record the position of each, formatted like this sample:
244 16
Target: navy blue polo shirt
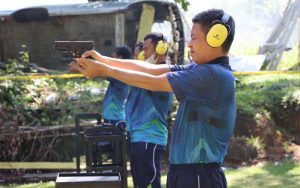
206 116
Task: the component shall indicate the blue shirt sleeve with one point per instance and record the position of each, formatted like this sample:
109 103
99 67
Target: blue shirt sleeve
174 68
191 81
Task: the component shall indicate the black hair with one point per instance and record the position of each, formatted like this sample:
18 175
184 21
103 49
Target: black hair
155 37
206 18
124 52
139 46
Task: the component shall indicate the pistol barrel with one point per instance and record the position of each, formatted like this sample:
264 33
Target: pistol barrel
79 46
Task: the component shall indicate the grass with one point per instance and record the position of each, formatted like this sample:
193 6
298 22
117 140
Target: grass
284 174
276 175
50 184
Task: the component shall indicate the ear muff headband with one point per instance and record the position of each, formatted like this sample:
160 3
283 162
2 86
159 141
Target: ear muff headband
218 32
161 47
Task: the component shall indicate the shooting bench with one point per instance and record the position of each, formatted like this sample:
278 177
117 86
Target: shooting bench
98 173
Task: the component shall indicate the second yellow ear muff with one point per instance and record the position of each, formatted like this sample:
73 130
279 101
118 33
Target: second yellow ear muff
161 48
141 56
218 32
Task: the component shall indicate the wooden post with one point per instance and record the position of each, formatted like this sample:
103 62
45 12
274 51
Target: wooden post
120 29
146 21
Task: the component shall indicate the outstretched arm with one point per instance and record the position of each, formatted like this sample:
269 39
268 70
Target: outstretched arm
91 69
128 64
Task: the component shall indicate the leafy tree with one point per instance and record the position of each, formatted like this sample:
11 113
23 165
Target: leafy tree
184 4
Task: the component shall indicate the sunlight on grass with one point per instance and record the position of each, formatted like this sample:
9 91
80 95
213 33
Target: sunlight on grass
285 174
163 181
50 184
289 58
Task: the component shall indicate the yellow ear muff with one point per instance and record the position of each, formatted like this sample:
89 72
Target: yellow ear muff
217 35
141 56
161 48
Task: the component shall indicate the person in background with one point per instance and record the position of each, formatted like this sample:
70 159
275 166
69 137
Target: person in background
146 113
205 90
138 51
113 107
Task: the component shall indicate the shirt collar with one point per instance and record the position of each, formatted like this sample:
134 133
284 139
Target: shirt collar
223 61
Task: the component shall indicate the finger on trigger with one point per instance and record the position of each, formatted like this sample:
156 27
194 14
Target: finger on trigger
82 65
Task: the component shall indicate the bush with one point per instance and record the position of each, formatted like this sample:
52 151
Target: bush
268 112
241 150
276 96
38 103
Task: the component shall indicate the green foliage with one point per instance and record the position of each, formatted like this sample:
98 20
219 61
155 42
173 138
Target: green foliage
241 149
261 93
24 54
256 142
29 97
184 4
42 102
26 104
291 100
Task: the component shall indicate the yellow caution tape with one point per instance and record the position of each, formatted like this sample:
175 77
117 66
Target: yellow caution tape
40 76
266 72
